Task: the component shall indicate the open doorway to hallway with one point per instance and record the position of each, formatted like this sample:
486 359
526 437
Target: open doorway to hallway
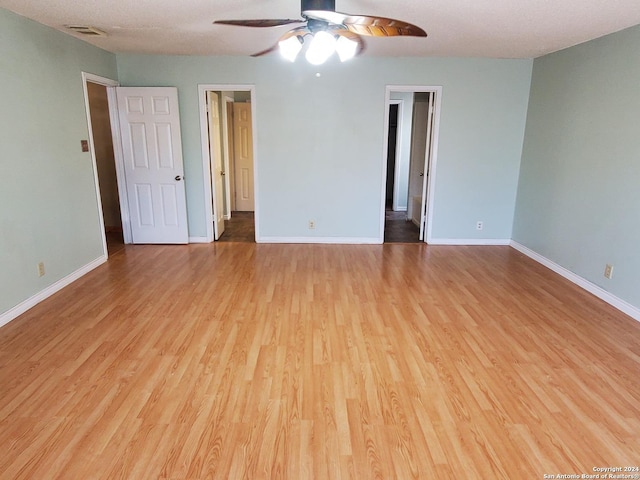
106 165
230 154
101 144
397 227
410 151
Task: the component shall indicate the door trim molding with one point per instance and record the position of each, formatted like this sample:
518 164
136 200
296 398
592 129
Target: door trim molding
206 160
431 179
226 99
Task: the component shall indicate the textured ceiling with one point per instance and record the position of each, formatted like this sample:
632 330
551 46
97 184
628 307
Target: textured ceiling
463 28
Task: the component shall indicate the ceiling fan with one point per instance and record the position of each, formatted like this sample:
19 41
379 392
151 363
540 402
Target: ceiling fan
328 31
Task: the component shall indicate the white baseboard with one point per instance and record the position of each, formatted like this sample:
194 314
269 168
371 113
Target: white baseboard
199 240
378 241
592 288
322 240
30 302
469 241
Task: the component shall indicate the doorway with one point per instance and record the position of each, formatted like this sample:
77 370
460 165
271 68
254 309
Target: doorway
102 144
228 142
410 152
397 228
159 203
99 95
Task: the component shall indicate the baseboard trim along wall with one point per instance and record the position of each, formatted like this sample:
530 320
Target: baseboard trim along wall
325 240
200 240
592 288
469 241
30 302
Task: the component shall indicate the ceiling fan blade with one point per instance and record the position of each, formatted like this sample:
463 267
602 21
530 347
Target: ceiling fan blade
258 23
366 25
265 52
299 31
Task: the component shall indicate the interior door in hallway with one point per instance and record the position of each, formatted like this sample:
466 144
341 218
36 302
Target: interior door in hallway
243 155
426 167
152 149
217 164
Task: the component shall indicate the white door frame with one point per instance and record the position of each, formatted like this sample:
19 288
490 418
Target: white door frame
117 153
226 149
433 154
206 158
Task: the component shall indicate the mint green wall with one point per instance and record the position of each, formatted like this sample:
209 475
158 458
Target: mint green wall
579 191
48 208
320 139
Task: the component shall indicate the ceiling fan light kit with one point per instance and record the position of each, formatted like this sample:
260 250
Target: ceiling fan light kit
346 48
290 48
323 44
330 31
321 48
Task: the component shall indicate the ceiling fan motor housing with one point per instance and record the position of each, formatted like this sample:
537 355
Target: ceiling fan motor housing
329 5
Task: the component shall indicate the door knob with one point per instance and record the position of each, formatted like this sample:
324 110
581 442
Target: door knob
422 174
221 173
178 178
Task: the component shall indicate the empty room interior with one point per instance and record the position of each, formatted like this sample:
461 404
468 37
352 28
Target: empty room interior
318 239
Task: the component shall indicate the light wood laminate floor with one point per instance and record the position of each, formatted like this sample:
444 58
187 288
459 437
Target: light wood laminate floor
245 361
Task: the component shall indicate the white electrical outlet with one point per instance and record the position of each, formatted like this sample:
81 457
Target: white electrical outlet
608 271
312 224
479 225
41 269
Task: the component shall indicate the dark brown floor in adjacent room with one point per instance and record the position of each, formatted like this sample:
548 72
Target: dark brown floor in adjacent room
239 228
397 229
115 242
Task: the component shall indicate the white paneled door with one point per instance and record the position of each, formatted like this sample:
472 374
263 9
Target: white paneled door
426 168
243 154
217 165
152 150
